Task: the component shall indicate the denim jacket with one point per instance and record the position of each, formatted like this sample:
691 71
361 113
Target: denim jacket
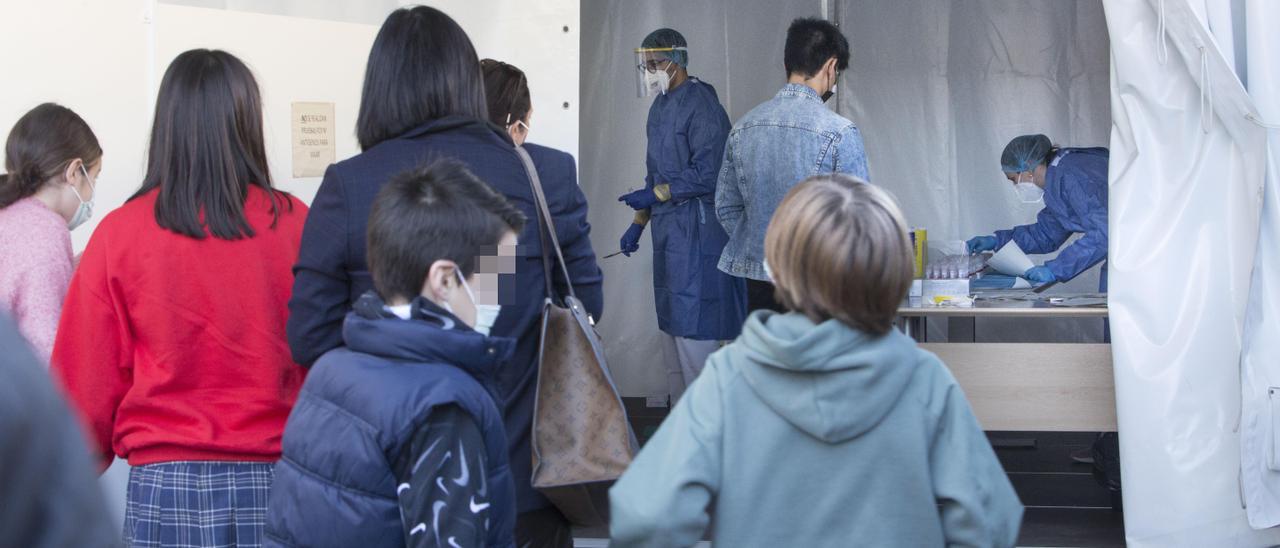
779 143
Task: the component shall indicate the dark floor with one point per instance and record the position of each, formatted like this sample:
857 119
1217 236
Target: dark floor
1065 505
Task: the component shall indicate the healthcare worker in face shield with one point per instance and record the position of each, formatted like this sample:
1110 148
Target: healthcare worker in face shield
1072 183
697 304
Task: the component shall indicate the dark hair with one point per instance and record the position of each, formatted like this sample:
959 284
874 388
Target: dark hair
433 212
810 42
206 147
40 146
1048 156
422 67
506 92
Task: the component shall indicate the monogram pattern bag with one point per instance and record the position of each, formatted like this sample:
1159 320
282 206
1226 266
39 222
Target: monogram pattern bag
581 439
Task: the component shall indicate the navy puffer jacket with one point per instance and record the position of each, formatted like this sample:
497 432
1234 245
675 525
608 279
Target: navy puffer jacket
360 405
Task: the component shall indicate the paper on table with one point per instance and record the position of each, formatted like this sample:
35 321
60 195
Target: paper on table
1010 260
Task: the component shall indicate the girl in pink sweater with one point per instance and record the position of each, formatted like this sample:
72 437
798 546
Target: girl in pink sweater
53 160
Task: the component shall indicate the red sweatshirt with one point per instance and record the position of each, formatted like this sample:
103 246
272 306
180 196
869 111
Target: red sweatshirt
174 348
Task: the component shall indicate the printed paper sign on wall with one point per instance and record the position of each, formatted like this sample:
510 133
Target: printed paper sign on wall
313 146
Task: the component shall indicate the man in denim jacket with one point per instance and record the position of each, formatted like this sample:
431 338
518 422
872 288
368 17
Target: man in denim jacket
780 143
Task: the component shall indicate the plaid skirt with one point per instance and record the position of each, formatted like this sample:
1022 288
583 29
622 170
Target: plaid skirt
197 504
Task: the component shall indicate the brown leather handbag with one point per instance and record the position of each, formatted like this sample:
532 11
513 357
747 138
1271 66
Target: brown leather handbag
582 441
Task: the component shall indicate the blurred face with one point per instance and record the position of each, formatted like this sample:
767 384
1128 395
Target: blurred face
444 286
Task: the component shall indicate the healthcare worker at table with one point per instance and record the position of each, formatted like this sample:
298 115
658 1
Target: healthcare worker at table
697 304
1072 183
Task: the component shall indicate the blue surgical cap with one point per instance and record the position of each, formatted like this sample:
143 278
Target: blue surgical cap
1024 153
669 38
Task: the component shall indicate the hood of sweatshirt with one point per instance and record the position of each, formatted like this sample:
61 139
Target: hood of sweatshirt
829 380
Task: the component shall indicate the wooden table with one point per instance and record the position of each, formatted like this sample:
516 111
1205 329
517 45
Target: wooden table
1024 386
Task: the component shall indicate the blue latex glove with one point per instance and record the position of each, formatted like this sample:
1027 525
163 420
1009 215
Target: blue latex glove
631 239
982 243
1039 275
640 199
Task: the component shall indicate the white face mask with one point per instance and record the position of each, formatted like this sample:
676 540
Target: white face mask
486 314
85 211
657 82
1029 193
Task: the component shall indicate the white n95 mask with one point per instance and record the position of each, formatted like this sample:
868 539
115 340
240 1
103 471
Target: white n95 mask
657 82
1029 193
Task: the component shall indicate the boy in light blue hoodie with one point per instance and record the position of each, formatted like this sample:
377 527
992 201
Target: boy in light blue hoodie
823 426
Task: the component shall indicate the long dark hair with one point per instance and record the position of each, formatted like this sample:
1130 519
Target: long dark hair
506 92
207 147
422 67
39 148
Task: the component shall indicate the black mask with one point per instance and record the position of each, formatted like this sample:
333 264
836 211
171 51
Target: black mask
831 92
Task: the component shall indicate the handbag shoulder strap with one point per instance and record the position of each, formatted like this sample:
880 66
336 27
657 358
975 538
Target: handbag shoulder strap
544 223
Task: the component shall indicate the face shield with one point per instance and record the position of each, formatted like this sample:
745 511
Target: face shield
654 70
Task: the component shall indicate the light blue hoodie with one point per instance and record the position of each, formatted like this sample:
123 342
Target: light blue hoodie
818 435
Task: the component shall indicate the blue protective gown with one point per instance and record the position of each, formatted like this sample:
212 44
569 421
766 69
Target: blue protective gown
687 130
1075 200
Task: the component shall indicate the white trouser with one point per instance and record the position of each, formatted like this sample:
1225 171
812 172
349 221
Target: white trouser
691 355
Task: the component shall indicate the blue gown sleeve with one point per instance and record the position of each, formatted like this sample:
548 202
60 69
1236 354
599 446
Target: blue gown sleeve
851 156
1092 248
321 285
708 129
650 166
1044 236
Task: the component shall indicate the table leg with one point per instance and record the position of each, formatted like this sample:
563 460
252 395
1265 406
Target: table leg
917 328
961 329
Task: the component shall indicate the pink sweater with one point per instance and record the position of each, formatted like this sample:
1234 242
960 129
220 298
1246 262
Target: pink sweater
35 270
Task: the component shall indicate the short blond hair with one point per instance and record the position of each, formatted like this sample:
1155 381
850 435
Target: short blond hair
838 248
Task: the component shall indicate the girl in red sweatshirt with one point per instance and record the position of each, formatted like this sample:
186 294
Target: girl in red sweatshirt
172 339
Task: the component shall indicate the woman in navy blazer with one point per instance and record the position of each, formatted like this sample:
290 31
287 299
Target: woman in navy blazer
510 107
423 98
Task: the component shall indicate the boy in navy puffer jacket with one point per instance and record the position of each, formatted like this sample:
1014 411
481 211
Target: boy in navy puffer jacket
396 439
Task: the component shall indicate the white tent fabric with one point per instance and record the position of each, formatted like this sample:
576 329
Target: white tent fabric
1260 362
1186 189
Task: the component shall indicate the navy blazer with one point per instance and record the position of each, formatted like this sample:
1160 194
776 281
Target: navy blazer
331 272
